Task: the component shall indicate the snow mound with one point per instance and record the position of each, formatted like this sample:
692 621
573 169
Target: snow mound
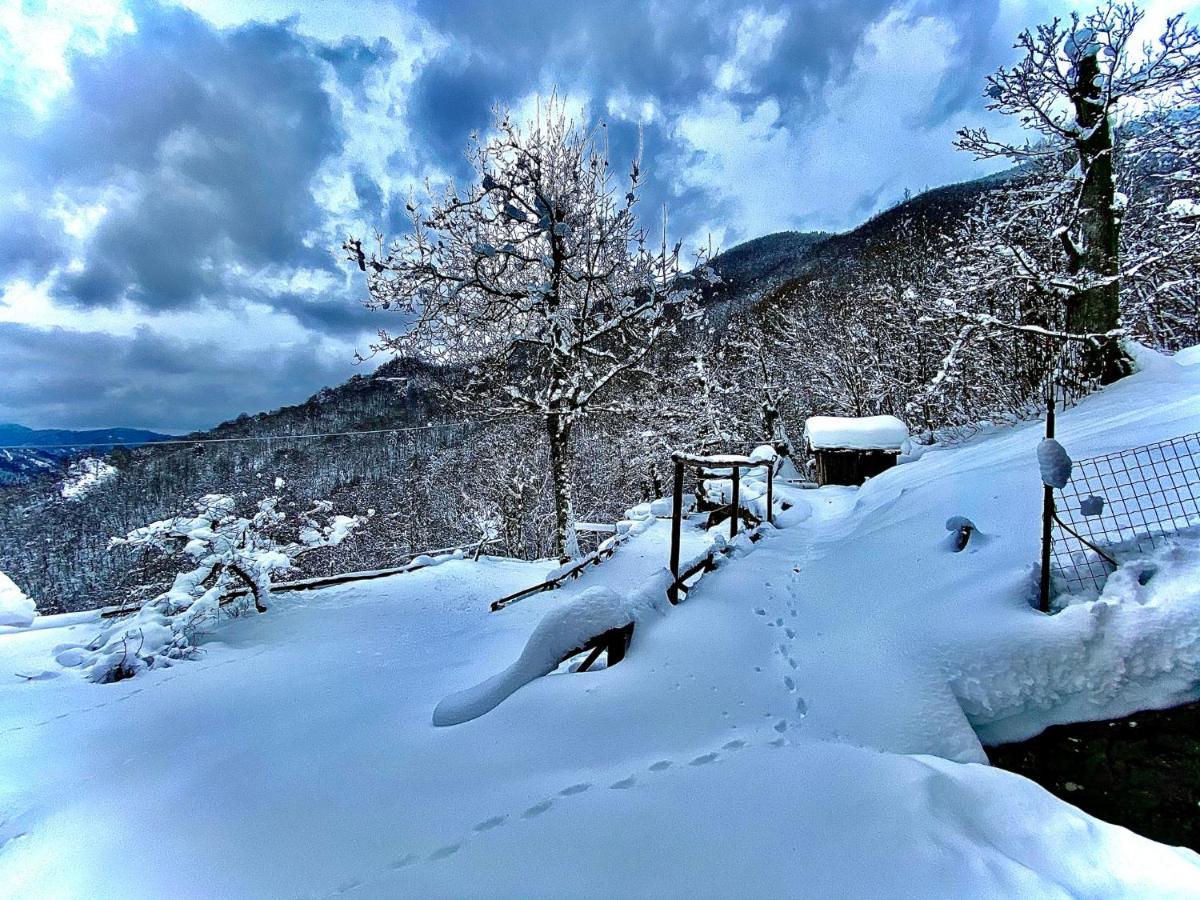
1136 647
15 607
561 630
867 433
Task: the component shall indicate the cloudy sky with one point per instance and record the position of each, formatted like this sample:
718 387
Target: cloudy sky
176 177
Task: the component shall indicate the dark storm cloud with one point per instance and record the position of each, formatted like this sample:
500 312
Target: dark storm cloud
206 143
203 145
57 377
980 49
671 54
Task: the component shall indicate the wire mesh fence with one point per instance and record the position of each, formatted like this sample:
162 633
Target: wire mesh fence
1122 503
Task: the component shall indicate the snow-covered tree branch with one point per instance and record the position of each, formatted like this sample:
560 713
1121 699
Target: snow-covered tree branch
227 557
1074 79
537 279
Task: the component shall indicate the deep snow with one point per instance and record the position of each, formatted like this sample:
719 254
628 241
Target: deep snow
16 608
800 726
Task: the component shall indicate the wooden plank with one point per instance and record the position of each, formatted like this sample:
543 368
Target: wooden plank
557 581
735 502
771 494
592 657
618 643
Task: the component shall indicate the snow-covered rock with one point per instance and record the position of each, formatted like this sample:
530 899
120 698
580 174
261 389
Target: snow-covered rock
15 607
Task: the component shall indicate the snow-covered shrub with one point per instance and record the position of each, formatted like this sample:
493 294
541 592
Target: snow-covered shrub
232 560
15 608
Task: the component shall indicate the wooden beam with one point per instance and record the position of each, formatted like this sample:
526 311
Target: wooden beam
735 503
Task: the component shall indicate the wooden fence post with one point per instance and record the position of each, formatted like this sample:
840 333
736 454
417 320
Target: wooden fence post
676 525
771 493
735 504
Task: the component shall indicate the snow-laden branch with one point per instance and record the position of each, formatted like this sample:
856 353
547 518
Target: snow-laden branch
225 555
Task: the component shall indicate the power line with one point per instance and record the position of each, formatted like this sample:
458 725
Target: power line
266 437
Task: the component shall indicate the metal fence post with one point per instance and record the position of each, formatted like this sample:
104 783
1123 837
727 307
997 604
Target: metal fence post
1047 519
676 525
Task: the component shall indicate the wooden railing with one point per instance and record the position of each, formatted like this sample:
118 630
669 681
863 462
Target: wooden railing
707 465
574 571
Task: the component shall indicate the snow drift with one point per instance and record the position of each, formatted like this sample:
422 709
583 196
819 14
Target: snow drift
845 668
15 608
563 629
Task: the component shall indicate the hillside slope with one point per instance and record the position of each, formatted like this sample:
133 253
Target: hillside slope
48 448
804 724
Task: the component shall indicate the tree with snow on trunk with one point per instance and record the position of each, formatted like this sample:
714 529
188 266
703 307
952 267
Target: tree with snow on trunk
537 279
1073 80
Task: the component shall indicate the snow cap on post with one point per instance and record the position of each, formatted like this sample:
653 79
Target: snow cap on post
1055 463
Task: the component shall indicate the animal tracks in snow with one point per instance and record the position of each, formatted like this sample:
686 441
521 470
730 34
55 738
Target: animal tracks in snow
784 649
781 722
352 884
489 824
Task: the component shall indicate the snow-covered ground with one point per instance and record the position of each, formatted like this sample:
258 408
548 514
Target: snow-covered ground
85 475
803 725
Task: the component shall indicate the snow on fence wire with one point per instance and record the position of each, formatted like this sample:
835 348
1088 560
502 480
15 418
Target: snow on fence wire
1124 502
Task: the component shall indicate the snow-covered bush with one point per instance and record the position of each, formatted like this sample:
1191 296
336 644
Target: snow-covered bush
231 560
15 608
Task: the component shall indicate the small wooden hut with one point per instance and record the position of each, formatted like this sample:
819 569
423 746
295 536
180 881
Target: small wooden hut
850 450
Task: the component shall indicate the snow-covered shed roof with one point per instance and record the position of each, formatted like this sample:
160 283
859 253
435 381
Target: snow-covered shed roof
867 433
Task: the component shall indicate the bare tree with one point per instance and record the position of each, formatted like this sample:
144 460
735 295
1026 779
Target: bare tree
1162 225
537 279
1073 80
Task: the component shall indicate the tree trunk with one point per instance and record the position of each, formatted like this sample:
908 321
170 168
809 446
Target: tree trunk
558 429
1096 309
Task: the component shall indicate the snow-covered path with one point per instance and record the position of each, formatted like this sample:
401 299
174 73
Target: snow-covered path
756 741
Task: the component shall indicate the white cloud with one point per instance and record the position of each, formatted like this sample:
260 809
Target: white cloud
864 139
36 41
754 44
623 106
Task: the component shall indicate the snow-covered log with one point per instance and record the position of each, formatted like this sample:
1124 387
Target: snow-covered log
565 628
